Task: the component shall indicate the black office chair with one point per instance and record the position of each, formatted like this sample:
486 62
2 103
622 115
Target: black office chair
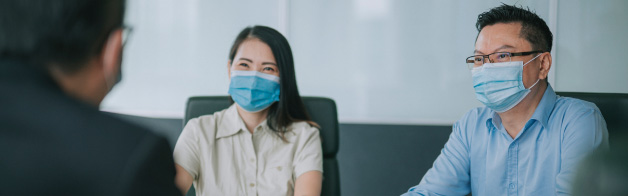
614 108
321 110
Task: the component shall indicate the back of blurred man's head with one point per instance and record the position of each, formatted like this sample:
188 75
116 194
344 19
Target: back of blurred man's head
77 41
61 32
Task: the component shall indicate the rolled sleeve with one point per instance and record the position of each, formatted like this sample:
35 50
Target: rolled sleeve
186 151
309 153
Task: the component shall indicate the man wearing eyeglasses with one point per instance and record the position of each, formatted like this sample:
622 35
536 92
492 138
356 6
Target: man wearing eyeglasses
527 140
58 60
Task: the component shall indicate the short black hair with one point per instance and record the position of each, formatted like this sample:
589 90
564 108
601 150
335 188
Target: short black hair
533 28
65 33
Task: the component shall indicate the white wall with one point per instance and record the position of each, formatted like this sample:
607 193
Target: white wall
178 49
382 61
592 46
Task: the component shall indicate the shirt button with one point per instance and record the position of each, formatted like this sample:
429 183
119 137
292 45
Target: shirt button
252 160
252 185
279 168
511 186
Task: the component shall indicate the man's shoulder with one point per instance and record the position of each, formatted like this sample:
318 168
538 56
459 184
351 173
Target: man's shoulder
570 104
115 138
74 140
115 125
568 108
101 127
133 153
568 111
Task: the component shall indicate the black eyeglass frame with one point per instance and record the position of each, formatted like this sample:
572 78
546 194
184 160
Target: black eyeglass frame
126 33
489 58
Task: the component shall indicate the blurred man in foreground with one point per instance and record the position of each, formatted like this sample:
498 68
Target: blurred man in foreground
58 60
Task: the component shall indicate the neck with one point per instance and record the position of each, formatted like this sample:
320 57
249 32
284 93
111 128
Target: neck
515 119
251 120
81 84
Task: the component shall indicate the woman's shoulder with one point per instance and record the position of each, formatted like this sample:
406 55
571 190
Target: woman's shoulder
209 122
303 128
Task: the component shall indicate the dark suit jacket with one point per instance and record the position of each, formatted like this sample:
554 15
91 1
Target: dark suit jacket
52 144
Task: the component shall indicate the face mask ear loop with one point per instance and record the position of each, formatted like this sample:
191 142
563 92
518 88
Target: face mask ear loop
537 80
537 56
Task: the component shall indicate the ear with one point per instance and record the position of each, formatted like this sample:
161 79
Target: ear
546 64
111 56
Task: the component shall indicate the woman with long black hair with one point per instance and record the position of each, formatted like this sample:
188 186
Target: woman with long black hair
265 143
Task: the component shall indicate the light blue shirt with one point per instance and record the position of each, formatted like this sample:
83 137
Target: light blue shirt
480 157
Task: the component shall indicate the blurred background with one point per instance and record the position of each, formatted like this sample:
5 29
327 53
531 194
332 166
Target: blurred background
394 67
382 61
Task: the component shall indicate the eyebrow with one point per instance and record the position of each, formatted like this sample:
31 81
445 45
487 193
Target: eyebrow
498 49
269 63
245 59
264 63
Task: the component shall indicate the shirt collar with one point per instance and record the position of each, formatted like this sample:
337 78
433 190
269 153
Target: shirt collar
231 123
545 107
541 113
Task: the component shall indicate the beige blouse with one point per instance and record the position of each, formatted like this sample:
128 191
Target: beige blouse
224 158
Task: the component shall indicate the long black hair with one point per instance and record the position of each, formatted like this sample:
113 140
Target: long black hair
290 107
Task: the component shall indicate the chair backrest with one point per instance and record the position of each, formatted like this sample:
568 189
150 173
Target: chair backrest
614 108
321 110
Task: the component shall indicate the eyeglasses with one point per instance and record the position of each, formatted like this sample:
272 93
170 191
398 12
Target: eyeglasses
497 57
126 33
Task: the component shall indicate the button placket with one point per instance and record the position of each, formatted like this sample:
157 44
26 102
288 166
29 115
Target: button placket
251 175
512 168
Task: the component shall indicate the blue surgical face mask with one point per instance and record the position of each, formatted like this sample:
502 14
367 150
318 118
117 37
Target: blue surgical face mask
253 91
499 86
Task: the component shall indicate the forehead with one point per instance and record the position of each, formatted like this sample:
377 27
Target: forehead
501 37
256 50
